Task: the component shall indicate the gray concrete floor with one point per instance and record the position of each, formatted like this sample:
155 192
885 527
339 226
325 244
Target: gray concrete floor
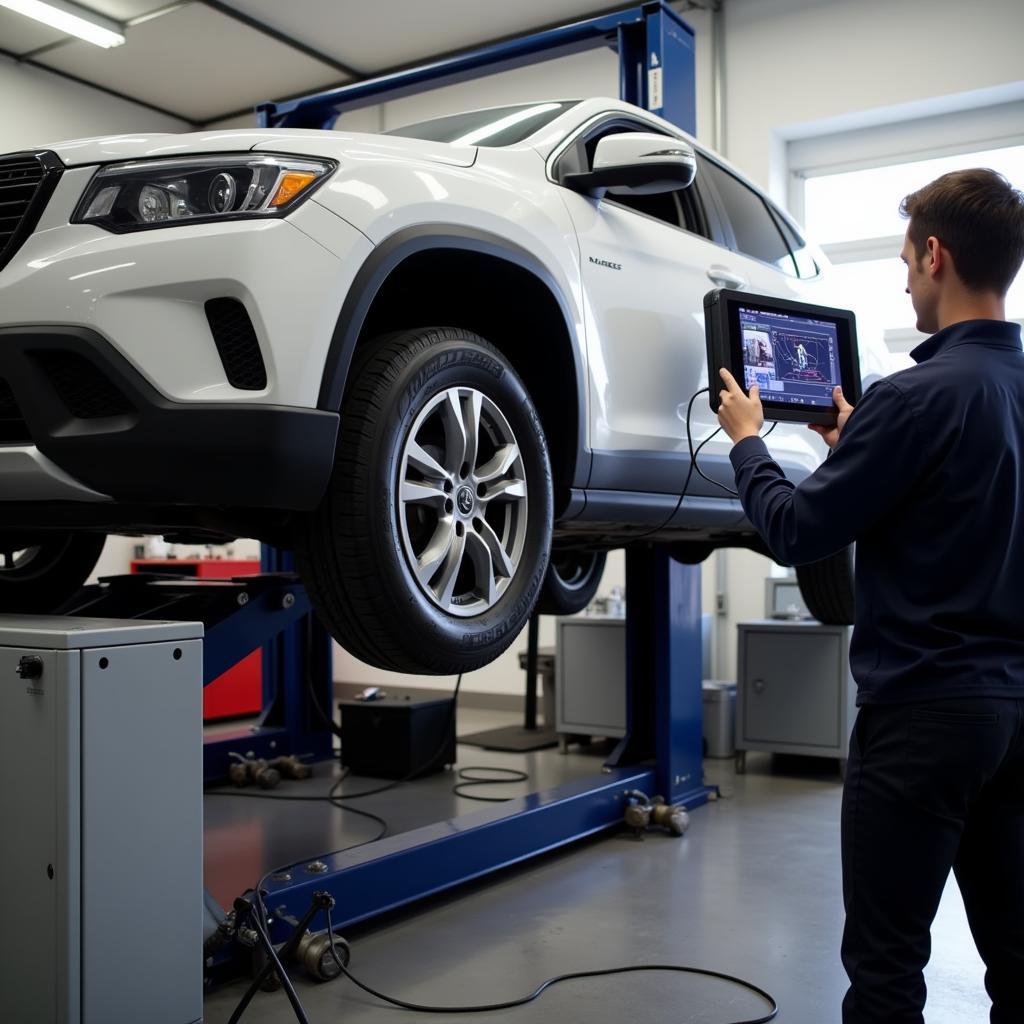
752 889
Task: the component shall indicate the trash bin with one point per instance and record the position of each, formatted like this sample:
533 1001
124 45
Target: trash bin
719 698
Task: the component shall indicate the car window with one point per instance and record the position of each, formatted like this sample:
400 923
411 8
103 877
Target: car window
499 126
663 205
754 227
805 265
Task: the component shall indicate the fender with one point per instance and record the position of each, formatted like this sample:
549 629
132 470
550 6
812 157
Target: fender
389 254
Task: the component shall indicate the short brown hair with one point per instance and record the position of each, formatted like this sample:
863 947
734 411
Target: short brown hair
979 218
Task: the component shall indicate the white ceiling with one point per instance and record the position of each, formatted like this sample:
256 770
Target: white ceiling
202 64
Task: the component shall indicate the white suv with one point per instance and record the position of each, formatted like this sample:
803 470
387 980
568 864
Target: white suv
426 361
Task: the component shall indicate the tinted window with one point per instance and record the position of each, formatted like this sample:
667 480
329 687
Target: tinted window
499 126
805 264
662 205
756 232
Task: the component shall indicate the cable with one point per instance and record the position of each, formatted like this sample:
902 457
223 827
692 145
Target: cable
511 775
717 483
604 972
319 798
693 467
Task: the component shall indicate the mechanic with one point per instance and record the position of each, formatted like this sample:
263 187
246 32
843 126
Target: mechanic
927 476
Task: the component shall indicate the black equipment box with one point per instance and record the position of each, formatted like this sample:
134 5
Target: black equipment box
397 736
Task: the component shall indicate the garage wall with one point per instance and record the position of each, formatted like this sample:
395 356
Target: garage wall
42 107
853 63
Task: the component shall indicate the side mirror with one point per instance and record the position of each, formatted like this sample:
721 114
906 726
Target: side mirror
637 163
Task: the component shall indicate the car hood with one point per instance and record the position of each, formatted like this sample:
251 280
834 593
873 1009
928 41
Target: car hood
114 148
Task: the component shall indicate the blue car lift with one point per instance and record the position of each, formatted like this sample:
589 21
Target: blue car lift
661 752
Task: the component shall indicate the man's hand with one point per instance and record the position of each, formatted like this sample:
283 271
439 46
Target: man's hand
739 415
831 434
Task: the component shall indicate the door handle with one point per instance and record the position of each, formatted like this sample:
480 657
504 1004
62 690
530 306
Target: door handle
724 277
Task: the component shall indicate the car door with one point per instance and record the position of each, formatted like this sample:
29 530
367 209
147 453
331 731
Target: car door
647 262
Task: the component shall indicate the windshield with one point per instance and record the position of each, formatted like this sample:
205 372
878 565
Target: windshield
499 126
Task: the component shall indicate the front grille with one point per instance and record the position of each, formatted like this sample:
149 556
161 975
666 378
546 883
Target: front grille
237 344
27 181
82 386
13 429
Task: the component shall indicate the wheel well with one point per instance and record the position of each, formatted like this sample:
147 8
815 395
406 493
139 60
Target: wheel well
508 306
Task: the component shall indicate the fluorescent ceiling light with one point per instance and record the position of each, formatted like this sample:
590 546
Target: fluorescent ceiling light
69 18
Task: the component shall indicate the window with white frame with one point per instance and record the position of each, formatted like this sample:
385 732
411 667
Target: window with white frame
852 212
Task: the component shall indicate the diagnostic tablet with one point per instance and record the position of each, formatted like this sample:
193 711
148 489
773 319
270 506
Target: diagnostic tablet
795 352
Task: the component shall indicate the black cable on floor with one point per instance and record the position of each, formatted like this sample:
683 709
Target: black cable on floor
522 1001
501 777
317 798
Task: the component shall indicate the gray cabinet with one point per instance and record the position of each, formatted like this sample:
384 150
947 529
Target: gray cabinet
590 669
795 692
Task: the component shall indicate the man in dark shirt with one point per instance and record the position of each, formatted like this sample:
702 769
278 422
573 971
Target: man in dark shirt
927 476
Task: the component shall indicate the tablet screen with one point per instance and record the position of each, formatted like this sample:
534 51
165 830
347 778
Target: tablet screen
791 358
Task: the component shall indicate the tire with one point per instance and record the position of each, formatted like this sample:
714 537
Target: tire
827 588
408 503
40 573
571 581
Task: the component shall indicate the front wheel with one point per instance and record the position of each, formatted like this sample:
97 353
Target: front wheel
429 549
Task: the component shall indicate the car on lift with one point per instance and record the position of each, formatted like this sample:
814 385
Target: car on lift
450 366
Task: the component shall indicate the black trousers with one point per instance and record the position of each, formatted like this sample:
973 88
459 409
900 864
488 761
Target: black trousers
931 787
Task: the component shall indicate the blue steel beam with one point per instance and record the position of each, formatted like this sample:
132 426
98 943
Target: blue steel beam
268 613
641 33
399 870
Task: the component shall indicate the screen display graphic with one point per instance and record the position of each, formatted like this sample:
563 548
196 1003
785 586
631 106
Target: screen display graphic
790 358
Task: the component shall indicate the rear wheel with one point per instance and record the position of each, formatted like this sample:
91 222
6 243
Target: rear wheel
827 588
428 551
40 572
571 581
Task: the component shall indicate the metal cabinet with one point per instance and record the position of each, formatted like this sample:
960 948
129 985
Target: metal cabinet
795 693
102 839
590 669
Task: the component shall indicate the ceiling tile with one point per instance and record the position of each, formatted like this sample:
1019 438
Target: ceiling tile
196 63
364 35
19 34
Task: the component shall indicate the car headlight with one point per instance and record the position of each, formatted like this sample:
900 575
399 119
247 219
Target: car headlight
161 193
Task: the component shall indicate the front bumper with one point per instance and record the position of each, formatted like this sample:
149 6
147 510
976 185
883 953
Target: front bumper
106 429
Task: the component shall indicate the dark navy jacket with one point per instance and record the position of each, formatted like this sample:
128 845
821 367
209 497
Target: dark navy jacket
928 479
